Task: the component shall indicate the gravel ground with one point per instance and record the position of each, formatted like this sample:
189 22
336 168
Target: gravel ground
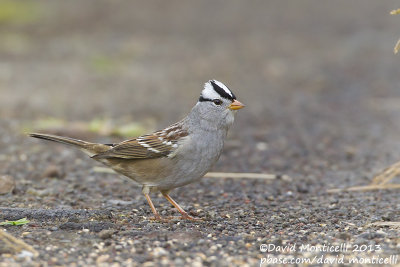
321 86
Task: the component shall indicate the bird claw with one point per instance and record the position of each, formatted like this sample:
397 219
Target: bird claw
188 217
159 219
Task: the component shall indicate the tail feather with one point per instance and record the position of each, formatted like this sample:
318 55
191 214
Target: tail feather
91 148
60 139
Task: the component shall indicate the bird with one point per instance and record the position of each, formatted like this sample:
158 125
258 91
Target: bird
173 157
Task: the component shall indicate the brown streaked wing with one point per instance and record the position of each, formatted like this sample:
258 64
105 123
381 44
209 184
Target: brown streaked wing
144 147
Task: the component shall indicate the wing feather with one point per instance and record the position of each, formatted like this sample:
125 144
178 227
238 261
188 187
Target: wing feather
158 144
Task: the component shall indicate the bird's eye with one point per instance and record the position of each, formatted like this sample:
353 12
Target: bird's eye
217 102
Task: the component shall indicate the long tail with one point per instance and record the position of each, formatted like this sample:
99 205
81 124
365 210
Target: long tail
90 148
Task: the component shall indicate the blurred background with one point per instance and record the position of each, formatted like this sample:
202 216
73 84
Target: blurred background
315 76
322 92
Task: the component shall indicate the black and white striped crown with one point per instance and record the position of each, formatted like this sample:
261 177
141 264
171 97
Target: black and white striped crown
214 89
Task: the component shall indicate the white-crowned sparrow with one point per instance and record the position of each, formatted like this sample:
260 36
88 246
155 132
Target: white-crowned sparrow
176 156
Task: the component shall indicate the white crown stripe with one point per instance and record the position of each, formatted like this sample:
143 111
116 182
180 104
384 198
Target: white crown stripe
210 93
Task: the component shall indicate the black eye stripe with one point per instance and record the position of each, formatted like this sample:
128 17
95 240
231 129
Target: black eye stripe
202 99
215 101
222 92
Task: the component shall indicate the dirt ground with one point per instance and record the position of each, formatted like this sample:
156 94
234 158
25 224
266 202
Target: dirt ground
322 92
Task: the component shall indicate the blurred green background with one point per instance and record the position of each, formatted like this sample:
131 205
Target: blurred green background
79 59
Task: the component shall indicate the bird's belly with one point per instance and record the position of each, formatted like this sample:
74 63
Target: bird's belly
188 174
191 170
146 172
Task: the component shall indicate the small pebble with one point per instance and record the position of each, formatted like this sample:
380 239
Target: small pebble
25 254
159 251
51 171
102 258
119 202
106 233
262 146
7 184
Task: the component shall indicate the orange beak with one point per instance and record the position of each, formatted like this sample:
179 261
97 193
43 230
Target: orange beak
236 105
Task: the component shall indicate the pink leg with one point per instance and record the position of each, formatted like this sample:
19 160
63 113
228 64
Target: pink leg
176 205
156 214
